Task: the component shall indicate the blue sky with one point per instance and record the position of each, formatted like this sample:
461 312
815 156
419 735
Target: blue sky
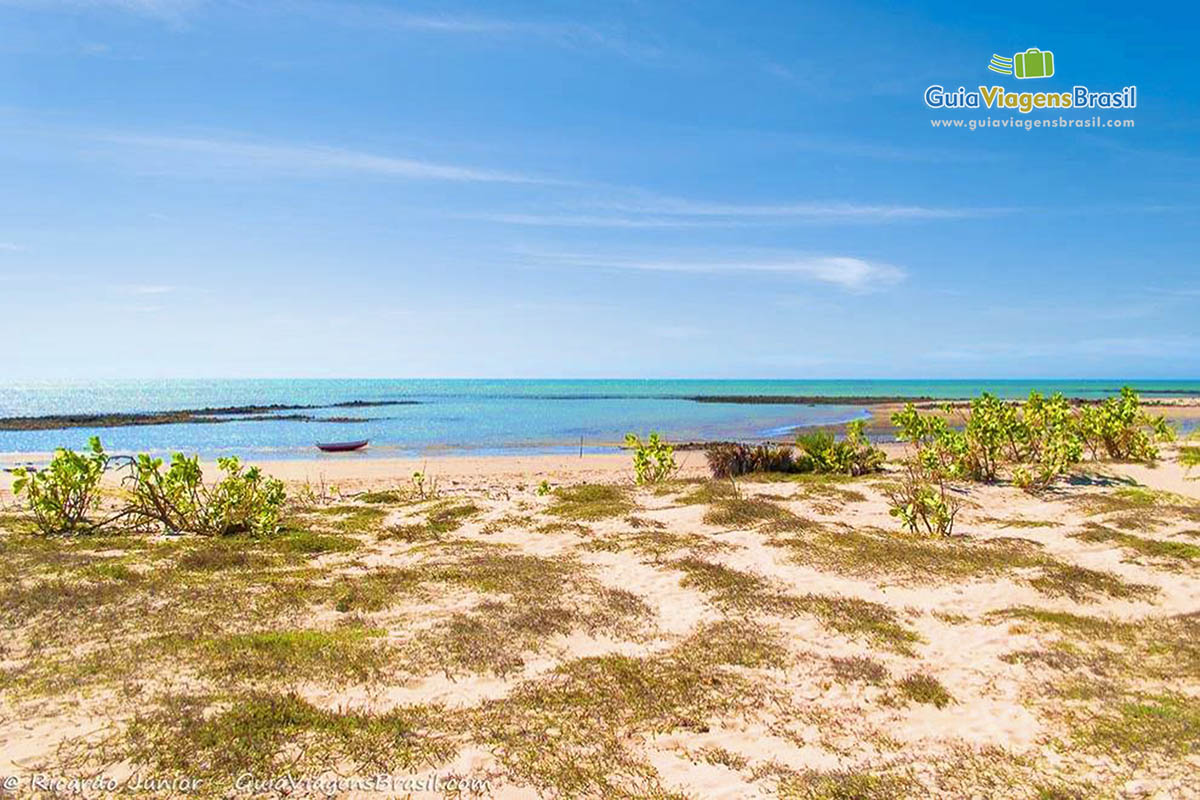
625 189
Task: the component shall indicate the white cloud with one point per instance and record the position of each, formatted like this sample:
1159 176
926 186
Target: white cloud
10 247
815 211
845 272
315 158
566 34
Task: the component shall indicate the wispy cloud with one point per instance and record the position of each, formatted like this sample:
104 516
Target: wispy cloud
845 272
567 34
314 158
680 213
10 247
817 211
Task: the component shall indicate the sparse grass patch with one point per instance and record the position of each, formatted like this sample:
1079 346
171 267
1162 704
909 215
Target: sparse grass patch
374 590
334 655
311 543
570 733
509 522
590 501
565 527
1018 522
1189 455
215 556
1168 724
920 559
1151 548
657 544
922 688
351 518
737 512
847 785
721 757
745 592
275 734
859 668
854 616
1082 585
443 517
385 496
708 492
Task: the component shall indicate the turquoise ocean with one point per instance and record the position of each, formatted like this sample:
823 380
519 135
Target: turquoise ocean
479 416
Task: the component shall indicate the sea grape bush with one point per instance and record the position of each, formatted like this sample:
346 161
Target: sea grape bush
62 496
242 501
1038 440
853 455
1121 429
653 459
924 500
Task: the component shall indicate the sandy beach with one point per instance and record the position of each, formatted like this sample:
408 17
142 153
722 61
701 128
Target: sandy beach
696 639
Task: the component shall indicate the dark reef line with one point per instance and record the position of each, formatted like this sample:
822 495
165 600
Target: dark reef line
211 415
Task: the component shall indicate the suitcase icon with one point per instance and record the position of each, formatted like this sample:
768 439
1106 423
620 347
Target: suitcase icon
1033 63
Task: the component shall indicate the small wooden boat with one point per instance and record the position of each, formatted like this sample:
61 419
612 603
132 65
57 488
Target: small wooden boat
342 447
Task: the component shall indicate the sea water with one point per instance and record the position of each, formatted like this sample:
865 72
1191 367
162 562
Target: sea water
478 416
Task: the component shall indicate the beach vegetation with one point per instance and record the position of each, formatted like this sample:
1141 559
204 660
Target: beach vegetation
852 455
63 496
733 459
590 502
818 452
1151 548
1038 441
1121 429
844 785
217 738
1189 456
923 500
737 512
922 688
243 500
425 487
859 669
653 459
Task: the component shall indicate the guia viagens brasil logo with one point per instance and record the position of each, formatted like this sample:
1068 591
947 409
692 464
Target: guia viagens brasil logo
1026 65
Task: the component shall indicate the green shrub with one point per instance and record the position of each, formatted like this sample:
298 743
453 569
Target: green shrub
854 455
653 460
242 501
63 495
731 459
1038 440
1121 429
924 500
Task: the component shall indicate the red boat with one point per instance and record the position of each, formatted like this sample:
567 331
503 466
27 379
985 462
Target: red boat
342 447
